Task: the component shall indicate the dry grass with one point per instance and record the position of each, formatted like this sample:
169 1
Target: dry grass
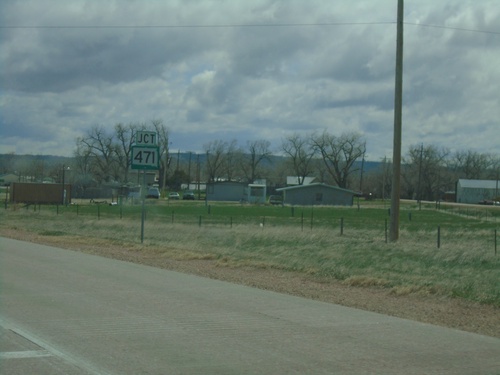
465 266
357 269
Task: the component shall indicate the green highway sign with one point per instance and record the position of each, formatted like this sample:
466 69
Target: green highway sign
145 157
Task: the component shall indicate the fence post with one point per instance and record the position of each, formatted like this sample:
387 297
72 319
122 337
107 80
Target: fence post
495 242
341 226
98 211
385 230
302 221
231 221
57 209
439 237
173 214
77 209
199 221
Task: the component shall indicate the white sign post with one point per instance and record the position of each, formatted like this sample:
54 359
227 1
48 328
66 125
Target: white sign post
145 154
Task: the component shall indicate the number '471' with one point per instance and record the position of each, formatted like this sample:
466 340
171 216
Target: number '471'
145 157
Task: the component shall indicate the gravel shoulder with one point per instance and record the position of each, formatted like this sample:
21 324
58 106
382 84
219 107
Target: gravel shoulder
447 312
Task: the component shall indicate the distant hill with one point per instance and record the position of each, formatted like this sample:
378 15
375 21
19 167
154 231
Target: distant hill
11 163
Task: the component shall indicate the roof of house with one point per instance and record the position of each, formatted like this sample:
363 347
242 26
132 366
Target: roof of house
294 180
317 184
479 184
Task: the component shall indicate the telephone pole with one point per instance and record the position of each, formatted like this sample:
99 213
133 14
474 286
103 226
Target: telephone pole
398 110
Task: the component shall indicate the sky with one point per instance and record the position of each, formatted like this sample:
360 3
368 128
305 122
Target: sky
249 70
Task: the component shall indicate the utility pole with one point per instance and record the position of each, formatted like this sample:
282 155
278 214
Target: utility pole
420 172
362 169
398 111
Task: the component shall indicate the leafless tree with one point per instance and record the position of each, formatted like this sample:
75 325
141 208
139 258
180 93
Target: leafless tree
231 160
424 172
164 146
255 153
125 138
339 154
215 154
470 164
101 147
300 153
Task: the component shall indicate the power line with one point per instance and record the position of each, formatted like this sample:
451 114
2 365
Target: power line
229 26
222 26
453 28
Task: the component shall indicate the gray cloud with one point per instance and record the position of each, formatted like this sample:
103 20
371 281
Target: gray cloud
134 61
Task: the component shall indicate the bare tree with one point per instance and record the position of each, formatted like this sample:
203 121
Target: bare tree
215 155
470 164
125 138
339 154
255 153
230 161
101 147
163 144
424 173
300 153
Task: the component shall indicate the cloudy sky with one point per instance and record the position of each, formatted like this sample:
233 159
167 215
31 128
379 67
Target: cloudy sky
248 70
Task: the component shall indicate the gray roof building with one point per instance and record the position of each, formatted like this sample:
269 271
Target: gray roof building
475 191
317 194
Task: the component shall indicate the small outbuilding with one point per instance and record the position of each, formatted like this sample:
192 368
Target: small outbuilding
226 191
40 193
317 194
8 178
232 191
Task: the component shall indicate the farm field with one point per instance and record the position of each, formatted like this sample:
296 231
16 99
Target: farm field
444 269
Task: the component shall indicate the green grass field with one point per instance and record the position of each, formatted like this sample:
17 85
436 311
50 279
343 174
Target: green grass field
323 243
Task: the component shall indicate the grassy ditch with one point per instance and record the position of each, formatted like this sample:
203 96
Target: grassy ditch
323 243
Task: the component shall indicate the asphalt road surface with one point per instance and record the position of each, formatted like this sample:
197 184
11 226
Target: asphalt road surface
64 312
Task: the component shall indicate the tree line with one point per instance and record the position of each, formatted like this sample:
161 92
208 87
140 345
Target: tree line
102 158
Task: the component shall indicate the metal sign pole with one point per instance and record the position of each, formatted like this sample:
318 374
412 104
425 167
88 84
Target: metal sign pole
143 214
144 155
398 107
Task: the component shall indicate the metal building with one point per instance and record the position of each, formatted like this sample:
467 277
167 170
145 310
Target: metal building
477 191
317 194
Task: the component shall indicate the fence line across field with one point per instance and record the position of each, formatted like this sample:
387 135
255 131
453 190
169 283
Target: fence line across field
207 220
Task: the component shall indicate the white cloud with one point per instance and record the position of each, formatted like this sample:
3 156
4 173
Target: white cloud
334 70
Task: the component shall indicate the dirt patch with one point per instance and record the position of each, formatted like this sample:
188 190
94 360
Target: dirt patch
447 312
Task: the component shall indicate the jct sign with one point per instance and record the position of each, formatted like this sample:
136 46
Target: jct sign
145 152
145 138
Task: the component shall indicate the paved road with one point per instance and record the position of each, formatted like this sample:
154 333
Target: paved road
64 312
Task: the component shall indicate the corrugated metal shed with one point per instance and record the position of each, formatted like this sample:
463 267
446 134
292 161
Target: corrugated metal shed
226 191
317 194
475 191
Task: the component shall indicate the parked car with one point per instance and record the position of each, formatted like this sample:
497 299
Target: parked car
174 196
153 193
489 203
275 199
188 195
